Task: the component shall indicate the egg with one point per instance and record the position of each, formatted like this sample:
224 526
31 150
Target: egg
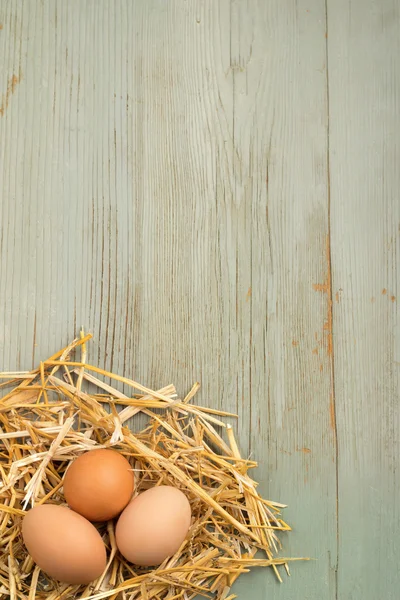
153 526
99 484
64 544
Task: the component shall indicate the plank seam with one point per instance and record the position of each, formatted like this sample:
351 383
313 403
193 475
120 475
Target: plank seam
330 303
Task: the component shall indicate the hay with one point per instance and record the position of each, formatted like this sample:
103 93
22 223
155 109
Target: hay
48 419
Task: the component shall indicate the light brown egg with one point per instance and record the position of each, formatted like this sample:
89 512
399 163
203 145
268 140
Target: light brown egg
64 544
153 526
99 484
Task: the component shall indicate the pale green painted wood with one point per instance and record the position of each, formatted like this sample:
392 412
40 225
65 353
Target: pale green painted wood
364 83
164 182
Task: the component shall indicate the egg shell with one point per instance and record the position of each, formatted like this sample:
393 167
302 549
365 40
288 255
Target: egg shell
99 484
64 544
153 526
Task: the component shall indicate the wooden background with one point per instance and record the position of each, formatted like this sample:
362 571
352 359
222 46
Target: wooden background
212 188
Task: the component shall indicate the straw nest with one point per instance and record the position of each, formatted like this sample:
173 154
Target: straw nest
47 420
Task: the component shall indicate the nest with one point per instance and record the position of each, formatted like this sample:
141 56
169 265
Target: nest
48 419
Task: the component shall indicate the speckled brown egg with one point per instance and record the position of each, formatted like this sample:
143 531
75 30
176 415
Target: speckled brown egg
153 526
99 484
64 544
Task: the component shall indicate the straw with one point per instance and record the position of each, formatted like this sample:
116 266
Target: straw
50 417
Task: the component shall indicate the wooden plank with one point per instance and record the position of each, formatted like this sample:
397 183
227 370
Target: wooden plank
364 83
280 121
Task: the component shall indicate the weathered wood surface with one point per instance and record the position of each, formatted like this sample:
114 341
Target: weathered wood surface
211 188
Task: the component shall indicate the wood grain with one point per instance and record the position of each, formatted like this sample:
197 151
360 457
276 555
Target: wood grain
281 189
364 84
211 189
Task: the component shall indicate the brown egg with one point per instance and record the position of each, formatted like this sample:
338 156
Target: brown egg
153 526
99 484
64 544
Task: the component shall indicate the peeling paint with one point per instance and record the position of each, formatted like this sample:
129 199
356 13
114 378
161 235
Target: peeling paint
11 87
